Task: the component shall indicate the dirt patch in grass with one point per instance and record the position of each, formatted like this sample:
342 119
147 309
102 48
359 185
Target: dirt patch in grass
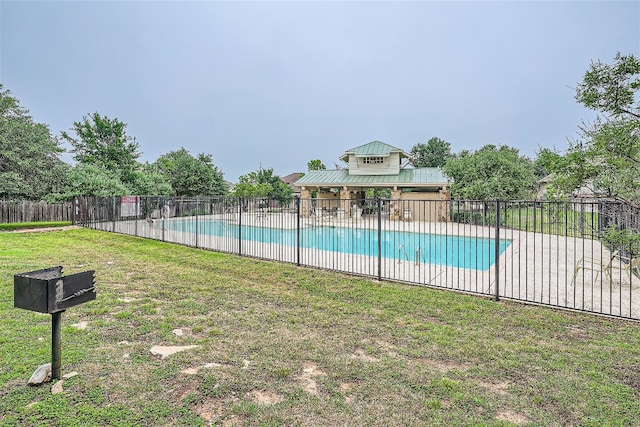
512 417
210 408
361 355
45 229
630 376
308 378
346 389
445 366
496 387
391 349
234 421
215 412
577 332
265 397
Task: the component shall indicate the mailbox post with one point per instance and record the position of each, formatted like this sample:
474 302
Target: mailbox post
46 291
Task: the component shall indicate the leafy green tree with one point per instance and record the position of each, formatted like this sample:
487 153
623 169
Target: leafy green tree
263 183
609 153
192 176
148 181
92 180
246 187
375 193
30 167
607 157
491 173
433 154
103 141
316 165
279 190
97 180
543 164
560 186
107 161
612 89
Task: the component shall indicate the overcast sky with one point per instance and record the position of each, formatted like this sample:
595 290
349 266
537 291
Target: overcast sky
276 84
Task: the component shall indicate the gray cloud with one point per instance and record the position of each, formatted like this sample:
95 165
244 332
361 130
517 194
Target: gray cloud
279 83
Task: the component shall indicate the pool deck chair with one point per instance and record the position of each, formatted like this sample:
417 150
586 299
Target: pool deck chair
617 261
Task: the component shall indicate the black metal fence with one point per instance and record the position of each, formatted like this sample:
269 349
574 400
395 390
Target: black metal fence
562 254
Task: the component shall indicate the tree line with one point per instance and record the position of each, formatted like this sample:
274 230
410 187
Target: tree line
606 156
106 163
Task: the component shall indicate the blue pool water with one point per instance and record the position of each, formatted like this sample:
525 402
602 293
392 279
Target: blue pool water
457 251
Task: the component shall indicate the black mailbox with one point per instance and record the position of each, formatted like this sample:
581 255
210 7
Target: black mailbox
46 291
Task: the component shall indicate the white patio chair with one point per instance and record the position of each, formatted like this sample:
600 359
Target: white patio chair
617 262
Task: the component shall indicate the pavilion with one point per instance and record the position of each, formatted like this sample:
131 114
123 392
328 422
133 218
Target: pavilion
378 165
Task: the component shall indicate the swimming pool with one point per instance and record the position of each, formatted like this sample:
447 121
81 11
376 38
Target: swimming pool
476 253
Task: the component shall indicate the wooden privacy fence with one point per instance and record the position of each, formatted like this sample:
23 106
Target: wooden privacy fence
35 212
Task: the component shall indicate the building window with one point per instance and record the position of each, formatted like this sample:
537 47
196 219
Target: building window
373 160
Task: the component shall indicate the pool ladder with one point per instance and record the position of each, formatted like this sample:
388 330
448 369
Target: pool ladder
419 254
402 249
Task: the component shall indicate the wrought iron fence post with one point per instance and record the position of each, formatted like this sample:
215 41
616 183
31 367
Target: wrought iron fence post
298 231
137 215
113 214
162 215
379 239
497 251
197 209
75 210
240 226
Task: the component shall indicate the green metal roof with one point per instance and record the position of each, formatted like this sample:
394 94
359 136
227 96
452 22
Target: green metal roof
415 177
373 148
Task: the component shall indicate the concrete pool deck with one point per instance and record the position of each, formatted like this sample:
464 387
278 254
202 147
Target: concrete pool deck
536 267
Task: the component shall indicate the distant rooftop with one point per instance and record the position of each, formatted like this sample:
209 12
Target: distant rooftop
291 179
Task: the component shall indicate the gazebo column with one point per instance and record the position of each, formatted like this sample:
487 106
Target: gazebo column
394 205
345 201
443 212
305 203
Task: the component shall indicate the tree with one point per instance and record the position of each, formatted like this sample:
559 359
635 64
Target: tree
316 165
191 176
103 142
612 89
30 167
263 183
491 173
609 153
607 156
107 162
543 164
433 154
148 181
96 180
92 180
247 187
561 184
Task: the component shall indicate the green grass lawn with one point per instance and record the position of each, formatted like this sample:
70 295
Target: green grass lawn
552 219
283 345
